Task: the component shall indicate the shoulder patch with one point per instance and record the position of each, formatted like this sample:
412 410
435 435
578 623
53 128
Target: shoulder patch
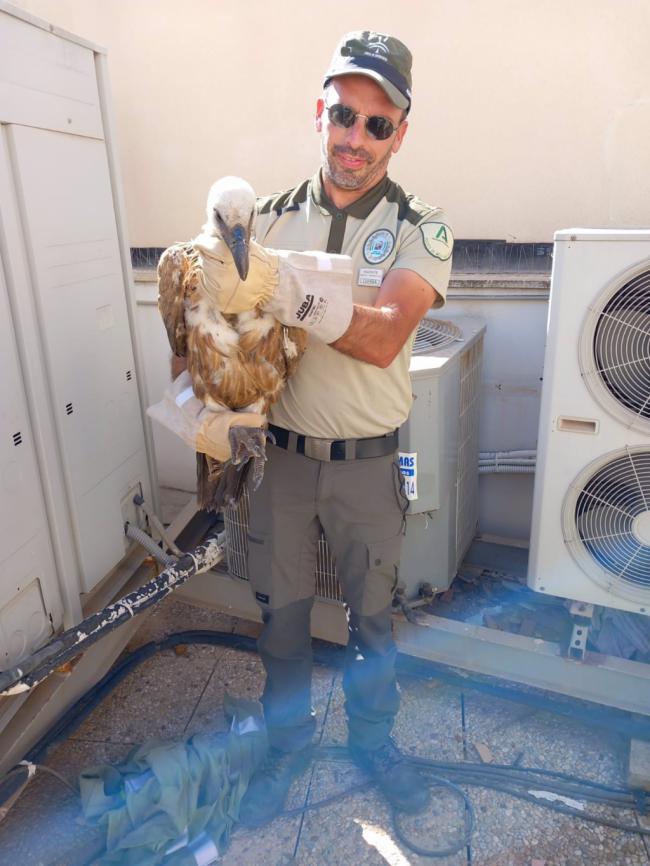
438 240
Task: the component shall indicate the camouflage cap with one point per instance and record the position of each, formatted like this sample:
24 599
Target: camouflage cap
383 58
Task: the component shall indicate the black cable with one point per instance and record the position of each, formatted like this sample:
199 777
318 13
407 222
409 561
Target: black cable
493 776
512 770
328 655
80 710
468 818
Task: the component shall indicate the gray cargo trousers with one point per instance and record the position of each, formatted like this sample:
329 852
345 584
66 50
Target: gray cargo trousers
359 505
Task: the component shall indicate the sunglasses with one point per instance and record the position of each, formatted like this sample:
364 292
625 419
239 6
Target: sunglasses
377 126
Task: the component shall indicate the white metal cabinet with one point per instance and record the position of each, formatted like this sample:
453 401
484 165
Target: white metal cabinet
73 254
30 603
72 389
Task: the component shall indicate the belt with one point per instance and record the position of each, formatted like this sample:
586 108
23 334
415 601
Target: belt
334 449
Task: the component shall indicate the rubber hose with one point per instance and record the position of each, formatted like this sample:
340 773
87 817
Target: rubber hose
146 541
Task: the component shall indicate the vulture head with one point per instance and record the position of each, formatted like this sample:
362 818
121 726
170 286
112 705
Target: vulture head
231 213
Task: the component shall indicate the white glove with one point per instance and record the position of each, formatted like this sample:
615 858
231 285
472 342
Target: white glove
314 292
202 429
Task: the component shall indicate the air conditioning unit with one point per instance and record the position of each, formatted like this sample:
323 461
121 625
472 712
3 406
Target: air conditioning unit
591 511
438 447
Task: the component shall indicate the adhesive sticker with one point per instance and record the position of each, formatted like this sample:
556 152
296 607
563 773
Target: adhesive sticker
408 464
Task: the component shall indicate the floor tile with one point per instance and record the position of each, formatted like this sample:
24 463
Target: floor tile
157 699
357 828
428 723
512 832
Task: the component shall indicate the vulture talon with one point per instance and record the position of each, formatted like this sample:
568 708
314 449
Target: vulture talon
247 443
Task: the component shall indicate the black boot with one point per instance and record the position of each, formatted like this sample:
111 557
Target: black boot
394 775
268 789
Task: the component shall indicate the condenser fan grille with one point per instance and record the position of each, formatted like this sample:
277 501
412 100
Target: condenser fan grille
612 519
621 349
435 334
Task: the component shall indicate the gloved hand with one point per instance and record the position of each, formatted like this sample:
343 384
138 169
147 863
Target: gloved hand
221 281
314 292
202 429
310 290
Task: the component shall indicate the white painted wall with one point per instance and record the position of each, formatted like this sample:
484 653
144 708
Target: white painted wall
527 116
513 359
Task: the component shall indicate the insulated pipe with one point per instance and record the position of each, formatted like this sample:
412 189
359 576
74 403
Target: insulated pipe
512 462
146 541
506 455
506 469
36 667
157 525
507 462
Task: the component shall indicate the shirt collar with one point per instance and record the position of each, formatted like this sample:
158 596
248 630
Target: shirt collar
359 209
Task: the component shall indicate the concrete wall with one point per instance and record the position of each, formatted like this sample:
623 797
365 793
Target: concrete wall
527 117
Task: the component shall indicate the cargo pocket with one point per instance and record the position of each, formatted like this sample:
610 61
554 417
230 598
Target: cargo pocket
382 576
259 565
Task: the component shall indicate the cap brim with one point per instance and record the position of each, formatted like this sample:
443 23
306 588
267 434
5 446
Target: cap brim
389 89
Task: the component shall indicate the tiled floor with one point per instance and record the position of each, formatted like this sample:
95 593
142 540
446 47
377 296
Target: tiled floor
177 694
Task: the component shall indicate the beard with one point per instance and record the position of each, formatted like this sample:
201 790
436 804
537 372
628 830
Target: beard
352 178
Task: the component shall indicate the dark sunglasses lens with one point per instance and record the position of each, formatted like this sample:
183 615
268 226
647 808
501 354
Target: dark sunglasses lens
341 115
380 128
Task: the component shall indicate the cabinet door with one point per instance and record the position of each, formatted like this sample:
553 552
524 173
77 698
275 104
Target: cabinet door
30 603
64 196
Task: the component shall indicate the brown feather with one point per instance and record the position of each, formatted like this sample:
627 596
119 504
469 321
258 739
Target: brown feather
251 372
172 269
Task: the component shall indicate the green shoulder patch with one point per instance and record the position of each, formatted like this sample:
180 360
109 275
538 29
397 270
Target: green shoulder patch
438 240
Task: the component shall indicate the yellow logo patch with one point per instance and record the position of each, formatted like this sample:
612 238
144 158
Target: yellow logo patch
438 240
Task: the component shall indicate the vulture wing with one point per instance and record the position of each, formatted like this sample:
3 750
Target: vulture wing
173 270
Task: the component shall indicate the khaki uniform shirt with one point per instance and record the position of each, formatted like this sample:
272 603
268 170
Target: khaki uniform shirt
332 395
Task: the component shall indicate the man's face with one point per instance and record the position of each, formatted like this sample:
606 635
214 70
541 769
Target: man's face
351 158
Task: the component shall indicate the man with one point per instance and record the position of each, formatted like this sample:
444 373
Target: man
333 465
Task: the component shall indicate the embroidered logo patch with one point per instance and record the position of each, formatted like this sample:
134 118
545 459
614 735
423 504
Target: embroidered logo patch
438 239
378 246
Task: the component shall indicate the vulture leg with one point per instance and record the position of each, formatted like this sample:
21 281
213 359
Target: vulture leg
247 446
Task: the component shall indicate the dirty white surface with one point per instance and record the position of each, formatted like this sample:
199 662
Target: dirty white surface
176 695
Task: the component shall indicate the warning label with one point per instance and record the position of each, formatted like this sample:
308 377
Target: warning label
408 464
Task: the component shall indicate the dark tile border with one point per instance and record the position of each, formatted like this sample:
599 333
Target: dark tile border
470 256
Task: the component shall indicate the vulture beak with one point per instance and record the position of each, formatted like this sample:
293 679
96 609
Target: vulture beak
238 240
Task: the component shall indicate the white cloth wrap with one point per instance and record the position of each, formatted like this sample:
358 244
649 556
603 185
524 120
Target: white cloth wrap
314 292
221 282
211 251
